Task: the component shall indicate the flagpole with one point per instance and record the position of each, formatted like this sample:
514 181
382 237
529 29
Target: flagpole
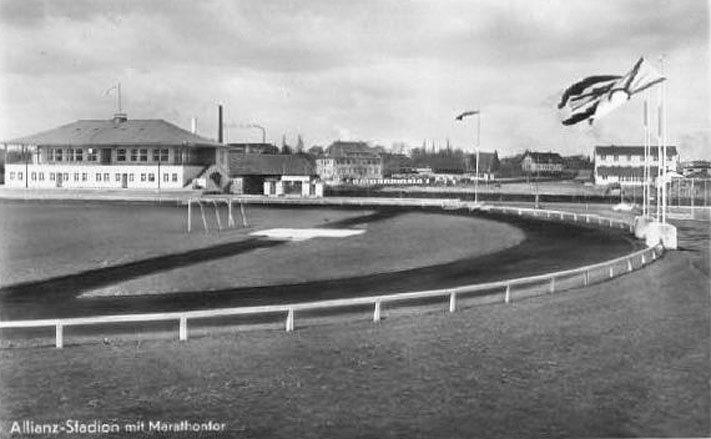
664 146
478 134
645 172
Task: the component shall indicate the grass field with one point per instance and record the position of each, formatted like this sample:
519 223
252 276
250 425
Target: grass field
42 239
628 357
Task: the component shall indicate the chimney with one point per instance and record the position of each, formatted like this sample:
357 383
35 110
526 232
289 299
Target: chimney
219 123
193 125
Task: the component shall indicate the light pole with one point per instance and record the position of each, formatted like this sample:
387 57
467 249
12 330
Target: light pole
478 132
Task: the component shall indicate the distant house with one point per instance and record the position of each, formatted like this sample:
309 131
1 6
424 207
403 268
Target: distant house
625 164
696 169
273 174
253 148
346 162
114 154
542 163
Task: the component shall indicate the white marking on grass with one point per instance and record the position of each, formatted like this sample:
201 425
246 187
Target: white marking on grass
304 234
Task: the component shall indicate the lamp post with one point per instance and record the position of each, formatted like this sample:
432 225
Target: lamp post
478 132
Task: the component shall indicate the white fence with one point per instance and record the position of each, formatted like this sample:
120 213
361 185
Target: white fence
499 291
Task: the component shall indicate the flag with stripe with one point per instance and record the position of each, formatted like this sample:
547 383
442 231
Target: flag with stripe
597 96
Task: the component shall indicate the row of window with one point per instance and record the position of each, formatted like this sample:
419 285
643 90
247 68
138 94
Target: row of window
83 176
72 155
122 154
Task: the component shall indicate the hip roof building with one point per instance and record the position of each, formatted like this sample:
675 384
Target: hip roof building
114 154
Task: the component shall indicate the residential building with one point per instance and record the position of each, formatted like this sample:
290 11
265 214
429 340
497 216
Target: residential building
541 163
348 162
114 154
625 164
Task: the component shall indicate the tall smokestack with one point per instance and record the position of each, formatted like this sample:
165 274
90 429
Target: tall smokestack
219 123
193 125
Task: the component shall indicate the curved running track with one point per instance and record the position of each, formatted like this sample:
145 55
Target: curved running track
549 246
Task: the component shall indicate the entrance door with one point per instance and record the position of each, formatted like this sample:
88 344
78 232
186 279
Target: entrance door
124 181
59 179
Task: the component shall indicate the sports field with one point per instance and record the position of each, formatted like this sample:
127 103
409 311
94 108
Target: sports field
626 358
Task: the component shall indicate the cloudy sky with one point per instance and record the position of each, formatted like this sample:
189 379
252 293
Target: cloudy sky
381 71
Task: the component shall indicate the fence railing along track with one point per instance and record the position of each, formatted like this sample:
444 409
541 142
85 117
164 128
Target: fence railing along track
498 291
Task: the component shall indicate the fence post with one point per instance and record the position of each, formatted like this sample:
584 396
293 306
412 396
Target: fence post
190 214
452 301
552 289
376 313
644 260
183 328
586 278
612 271
575 217
507 296
654 254
290 320
59 335
629 264
587 218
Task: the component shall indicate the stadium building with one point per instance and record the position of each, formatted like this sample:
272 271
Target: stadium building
625 164
115 154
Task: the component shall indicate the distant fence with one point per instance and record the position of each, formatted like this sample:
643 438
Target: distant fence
492 292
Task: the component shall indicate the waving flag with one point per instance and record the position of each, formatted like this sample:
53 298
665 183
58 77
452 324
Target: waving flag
597 96
467 113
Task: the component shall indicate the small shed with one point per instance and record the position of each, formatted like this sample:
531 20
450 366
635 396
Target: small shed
274 174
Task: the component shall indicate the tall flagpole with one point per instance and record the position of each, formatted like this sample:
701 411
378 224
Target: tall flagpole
645 172
478 134
663 130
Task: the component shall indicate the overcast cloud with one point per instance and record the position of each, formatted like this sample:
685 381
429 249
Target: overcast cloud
380 71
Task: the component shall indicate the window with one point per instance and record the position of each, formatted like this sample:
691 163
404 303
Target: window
76 176
164 156
79 155
134 155
12 175
629 157
615 158
144 155
51 176
98 177
65 176
58 155
166 177
91 155
106 176
143 177
130 177
41 176
156 155
151 177
83 176
175 177
121 155
34 176
118 177
70 154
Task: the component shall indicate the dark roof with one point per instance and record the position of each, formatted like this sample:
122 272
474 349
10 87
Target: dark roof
341 148
270 164
631 150
110 133
625 171
544 157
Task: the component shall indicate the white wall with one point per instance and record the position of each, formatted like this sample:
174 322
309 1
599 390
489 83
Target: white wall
138 176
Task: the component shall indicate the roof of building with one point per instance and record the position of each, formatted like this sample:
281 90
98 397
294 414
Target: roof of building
631 150
342 148
270 164
115 132
544 157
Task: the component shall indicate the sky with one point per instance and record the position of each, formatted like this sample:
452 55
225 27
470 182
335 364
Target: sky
379 71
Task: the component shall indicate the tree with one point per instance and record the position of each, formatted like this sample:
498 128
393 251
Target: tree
285 149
